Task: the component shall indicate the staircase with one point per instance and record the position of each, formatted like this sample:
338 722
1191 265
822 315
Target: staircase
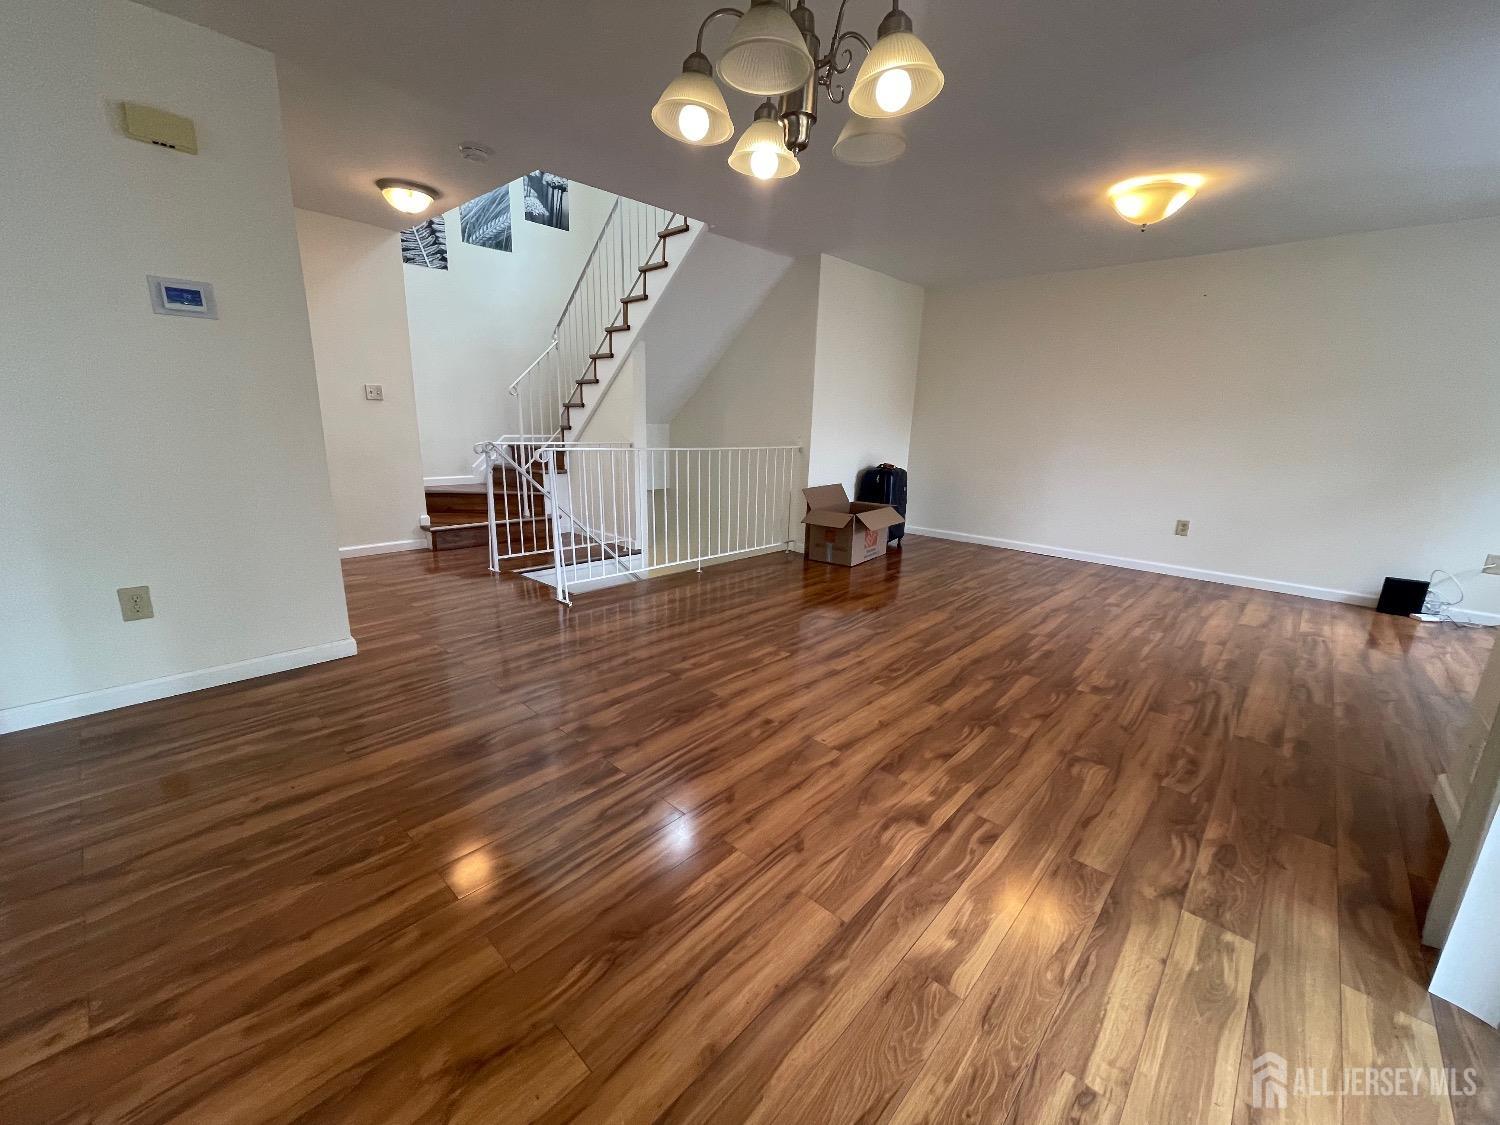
577 513
457 517
629 261
558 392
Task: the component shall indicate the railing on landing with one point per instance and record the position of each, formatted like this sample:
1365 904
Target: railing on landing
628 240
615 512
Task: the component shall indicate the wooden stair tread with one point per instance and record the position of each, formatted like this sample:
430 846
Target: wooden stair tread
587 381
472 506
634 298
618 328
526 561
532 531
651 267
602 355
680 228
451 520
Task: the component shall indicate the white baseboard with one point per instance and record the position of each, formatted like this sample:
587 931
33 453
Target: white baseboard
449 482
30 715
1472 616
393 546
1275 586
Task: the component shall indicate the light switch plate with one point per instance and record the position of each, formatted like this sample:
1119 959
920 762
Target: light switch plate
135 603
1181 528
374 392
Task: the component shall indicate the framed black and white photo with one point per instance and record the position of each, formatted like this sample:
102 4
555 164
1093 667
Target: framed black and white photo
545 199
426 244
486 221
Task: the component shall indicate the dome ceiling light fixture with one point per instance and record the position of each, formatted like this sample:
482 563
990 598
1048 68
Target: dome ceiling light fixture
774 53
1144 200
407 197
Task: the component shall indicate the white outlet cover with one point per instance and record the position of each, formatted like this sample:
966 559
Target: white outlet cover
374 392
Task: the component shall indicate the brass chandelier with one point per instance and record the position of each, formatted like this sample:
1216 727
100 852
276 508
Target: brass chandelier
775 53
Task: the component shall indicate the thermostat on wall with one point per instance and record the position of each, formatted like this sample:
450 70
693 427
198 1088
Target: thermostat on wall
175 296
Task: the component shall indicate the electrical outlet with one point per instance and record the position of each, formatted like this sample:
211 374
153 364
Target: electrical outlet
1181 528
135 603
1491 564
374 392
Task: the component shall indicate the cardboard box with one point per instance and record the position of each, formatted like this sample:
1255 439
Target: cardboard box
845 533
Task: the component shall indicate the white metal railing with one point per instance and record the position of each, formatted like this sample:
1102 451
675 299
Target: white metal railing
610 513
518 497
630 238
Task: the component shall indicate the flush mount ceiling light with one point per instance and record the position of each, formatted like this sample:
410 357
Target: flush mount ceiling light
776 53
1150 199
407 197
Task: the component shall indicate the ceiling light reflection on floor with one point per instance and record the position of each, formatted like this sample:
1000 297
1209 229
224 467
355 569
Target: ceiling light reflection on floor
682 834
470 872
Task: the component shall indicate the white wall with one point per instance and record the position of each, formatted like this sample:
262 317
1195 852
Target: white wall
760 391
620 415
711 299
1323 412
869 326
356 301
477 325
142 449
828 361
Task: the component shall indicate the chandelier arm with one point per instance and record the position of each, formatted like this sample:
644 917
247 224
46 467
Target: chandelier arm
838 61
713 15
840 58
838 27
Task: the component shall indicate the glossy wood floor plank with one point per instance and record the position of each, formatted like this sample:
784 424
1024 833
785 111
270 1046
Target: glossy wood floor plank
975 1071
1295 997
1189 1064
963 834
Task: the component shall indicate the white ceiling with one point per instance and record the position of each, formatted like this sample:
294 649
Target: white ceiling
1312 117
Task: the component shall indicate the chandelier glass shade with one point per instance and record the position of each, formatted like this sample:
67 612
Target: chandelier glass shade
691 110
866 142
761 152
766 54
899 76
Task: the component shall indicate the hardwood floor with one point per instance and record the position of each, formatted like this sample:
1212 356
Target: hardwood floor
961 835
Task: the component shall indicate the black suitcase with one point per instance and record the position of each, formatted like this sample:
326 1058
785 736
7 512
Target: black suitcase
885 484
